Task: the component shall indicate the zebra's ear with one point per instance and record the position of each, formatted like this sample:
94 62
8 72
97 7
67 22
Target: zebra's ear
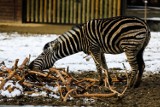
51 45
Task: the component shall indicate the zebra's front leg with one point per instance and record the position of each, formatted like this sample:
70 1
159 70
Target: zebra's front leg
100 62
104 65
99 69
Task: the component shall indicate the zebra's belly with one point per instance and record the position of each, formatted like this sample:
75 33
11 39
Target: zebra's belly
115 49
107 48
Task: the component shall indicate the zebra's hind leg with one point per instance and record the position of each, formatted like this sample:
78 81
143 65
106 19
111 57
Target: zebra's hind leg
137 65
141 66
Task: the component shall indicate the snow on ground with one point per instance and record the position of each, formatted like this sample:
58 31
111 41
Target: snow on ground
14 45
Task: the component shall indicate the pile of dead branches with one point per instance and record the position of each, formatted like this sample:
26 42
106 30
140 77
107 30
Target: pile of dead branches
68 86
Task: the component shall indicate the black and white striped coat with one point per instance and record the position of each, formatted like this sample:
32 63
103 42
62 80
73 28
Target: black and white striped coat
98 36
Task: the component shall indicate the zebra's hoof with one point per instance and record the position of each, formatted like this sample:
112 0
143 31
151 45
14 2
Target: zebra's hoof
137 83
134 83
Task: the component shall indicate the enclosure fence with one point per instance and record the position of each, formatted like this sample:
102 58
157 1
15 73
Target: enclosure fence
69 11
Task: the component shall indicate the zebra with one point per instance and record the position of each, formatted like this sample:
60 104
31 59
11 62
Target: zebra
128 34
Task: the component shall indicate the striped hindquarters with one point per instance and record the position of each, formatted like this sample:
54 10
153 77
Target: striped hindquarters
115 34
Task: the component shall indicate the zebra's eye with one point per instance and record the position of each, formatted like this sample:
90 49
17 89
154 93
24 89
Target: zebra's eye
43 54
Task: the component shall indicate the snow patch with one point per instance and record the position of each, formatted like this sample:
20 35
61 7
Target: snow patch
15 89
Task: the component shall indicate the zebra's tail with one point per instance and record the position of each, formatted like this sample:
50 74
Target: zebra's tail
148 36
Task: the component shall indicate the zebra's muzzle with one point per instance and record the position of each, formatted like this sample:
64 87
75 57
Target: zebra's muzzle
31 65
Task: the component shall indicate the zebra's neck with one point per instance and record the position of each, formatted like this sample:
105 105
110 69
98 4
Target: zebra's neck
69 43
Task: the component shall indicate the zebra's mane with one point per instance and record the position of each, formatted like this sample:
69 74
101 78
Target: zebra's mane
77 26
53 44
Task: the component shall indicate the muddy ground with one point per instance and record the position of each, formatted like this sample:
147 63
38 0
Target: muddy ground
147 95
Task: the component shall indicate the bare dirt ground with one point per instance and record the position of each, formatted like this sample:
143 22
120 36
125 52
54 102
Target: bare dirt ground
147 95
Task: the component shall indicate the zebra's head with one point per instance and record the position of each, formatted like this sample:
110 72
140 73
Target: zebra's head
43 61
46 59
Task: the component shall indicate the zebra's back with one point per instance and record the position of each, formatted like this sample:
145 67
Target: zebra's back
117 34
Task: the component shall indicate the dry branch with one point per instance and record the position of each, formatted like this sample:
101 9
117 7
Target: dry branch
41 74
16 64
10 75
66 83
61 77
6 79
58 74
24 63
96 95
